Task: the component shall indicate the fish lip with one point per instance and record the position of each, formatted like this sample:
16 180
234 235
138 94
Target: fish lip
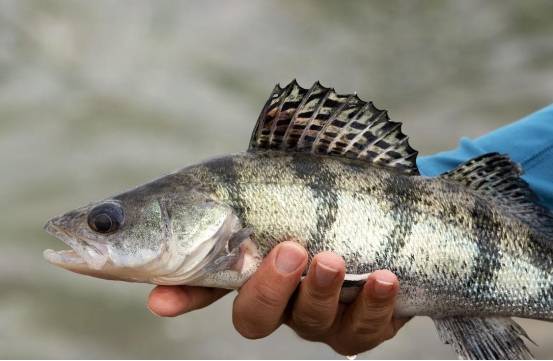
64 258
77 249
54 230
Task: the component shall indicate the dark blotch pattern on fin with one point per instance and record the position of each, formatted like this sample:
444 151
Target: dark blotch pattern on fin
497 177
494 338
320 121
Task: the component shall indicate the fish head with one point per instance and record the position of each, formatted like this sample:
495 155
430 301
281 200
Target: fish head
148 235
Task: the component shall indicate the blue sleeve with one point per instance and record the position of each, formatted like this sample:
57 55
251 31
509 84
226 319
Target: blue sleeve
528 142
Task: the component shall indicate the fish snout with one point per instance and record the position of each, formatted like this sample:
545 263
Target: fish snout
52 226
68 229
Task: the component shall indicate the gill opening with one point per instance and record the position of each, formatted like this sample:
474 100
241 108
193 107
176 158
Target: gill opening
166 221
216 244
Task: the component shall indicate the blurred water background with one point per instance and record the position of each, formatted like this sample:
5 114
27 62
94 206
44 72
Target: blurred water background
99 96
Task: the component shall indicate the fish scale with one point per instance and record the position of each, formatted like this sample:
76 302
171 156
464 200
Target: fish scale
471 247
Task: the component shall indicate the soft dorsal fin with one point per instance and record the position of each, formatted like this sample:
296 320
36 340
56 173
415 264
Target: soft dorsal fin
497 177
319 121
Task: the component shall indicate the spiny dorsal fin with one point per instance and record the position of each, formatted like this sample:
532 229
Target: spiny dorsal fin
497 177
319 121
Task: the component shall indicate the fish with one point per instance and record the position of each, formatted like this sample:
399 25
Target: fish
471 248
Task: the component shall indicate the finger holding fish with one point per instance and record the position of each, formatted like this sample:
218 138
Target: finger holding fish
317 303
259 308
171 301
368 321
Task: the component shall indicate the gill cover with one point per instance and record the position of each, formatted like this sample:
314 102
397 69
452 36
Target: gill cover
198 230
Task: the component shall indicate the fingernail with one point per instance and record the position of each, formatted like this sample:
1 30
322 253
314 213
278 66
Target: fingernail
289 258
324 275
383 289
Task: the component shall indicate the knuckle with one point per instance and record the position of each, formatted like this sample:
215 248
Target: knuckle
366 328
319 297
372 326
267 297
377 313
381 316
313 311
310 322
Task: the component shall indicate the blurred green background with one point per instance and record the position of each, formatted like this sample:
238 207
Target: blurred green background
100 96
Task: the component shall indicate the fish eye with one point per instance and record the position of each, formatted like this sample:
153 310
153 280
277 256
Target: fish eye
106 218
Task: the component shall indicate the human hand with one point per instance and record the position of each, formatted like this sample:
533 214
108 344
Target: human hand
314 312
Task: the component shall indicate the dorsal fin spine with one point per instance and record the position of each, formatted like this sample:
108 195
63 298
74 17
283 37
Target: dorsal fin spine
343 130
258 127
375 119
295 116
382 136
314 115
401 142
333 116
285 95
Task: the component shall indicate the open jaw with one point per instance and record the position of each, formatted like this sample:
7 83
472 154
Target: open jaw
97 260
63 258
80 258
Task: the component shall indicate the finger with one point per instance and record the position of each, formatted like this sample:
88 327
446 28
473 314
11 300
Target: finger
260 304
171 301
399 323
315 308
367 322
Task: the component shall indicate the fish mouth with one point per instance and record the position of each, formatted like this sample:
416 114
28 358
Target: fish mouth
81 255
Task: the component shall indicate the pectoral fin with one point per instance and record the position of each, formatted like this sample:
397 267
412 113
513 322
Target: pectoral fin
233 254
494 338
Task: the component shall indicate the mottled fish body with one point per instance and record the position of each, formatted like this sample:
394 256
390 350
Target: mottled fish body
471 247
433 233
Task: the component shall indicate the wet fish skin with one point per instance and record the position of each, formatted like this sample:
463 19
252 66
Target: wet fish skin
454 252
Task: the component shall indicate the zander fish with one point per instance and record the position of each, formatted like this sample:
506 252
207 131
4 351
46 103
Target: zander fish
471 247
